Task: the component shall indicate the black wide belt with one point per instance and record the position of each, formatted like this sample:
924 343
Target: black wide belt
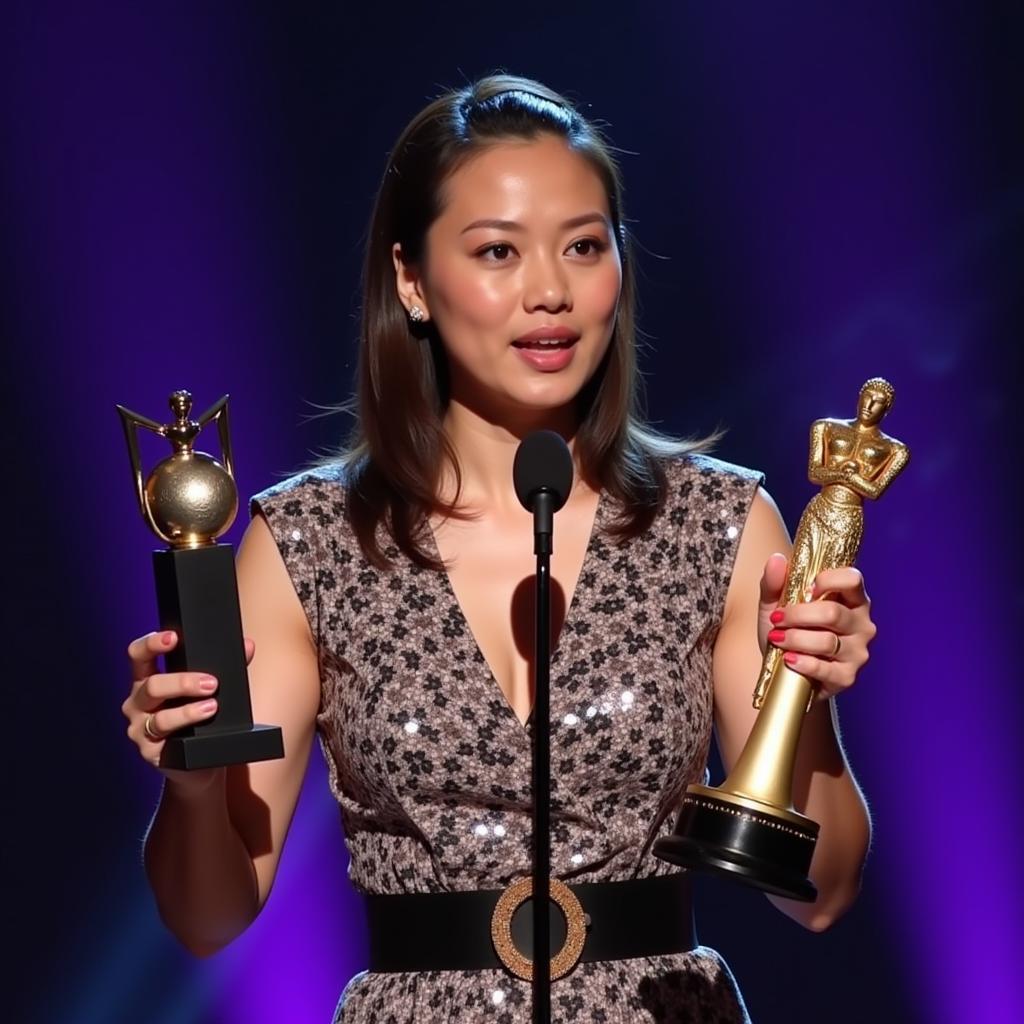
480 928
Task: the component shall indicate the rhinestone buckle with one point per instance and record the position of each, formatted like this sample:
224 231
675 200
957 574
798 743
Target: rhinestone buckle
501 928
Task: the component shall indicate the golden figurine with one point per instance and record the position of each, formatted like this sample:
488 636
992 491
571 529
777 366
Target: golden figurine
850 460
747 828
189 499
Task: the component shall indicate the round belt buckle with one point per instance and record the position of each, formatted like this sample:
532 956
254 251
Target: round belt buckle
501 928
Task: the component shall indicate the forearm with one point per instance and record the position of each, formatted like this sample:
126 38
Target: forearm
824 789
199 869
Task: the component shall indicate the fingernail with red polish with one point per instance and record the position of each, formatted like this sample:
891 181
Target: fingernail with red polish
776 636
166 638
776 616
790 657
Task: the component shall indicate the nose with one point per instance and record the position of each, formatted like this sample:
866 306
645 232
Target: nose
546 286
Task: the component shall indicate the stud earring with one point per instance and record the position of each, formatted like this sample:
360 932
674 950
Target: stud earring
416 314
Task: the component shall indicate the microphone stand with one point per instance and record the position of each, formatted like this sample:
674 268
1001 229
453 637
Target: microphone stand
543 520
542 474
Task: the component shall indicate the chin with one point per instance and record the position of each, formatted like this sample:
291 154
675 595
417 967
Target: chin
547 395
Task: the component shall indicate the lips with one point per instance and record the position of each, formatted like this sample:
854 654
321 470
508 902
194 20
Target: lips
550 337
546 358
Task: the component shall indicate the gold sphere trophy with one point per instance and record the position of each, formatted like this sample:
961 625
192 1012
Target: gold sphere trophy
188 500
747 828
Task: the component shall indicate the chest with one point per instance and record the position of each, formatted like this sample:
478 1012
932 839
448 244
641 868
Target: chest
427 675
491 574
869 452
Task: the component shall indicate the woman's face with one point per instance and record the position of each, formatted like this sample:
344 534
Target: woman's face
553 265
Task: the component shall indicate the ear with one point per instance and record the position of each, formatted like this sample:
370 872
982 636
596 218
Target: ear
407 282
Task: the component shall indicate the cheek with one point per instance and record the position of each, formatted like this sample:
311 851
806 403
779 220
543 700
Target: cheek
464 294
601 292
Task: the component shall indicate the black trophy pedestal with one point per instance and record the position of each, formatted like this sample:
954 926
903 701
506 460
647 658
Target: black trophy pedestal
733 839
197 597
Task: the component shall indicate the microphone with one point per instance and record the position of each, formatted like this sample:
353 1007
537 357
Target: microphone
542 474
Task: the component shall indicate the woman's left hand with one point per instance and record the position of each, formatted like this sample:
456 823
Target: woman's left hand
824 640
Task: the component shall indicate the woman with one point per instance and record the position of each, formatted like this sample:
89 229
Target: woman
387 595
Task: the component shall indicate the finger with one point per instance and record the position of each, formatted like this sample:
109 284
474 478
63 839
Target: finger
773 579
833 676
844 584
250 649
820 643
154 690
816 615
169 720
143 651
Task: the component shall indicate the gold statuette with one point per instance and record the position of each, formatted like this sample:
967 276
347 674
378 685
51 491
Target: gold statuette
747 828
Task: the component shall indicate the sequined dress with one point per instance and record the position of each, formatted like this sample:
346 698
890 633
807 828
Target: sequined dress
431 766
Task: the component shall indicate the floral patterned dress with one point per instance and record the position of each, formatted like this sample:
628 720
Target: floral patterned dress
431 766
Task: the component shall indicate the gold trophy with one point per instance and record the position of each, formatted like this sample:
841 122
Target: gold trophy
189 500
747 828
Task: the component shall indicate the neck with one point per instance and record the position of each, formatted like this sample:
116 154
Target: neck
486 450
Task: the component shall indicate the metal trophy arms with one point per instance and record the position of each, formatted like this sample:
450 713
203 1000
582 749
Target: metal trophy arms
189 499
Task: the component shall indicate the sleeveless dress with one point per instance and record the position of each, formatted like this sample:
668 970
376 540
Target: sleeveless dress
431 767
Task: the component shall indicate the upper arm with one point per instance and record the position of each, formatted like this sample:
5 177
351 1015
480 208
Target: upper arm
284 681
736 662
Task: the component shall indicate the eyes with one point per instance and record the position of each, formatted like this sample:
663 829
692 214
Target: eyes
593 246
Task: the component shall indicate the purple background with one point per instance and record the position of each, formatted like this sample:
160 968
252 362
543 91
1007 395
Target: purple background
820 196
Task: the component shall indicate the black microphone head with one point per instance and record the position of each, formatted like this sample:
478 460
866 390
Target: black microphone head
543 462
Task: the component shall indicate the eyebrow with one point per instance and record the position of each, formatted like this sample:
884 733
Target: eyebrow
511 225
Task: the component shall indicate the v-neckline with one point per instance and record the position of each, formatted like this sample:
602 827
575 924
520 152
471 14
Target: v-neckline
470 636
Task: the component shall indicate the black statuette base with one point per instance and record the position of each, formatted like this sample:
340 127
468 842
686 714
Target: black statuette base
259 743
197 597
732 840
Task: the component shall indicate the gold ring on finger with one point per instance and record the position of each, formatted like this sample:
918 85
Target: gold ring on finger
151 733
839 643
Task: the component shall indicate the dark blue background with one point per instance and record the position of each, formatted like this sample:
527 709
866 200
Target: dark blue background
821 193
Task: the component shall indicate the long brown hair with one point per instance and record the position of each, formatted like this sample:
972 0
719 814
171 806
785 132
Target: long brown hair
397 447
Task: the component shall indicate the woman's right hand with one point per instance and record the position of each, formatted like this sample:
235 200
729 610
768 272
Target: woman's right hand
150 691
